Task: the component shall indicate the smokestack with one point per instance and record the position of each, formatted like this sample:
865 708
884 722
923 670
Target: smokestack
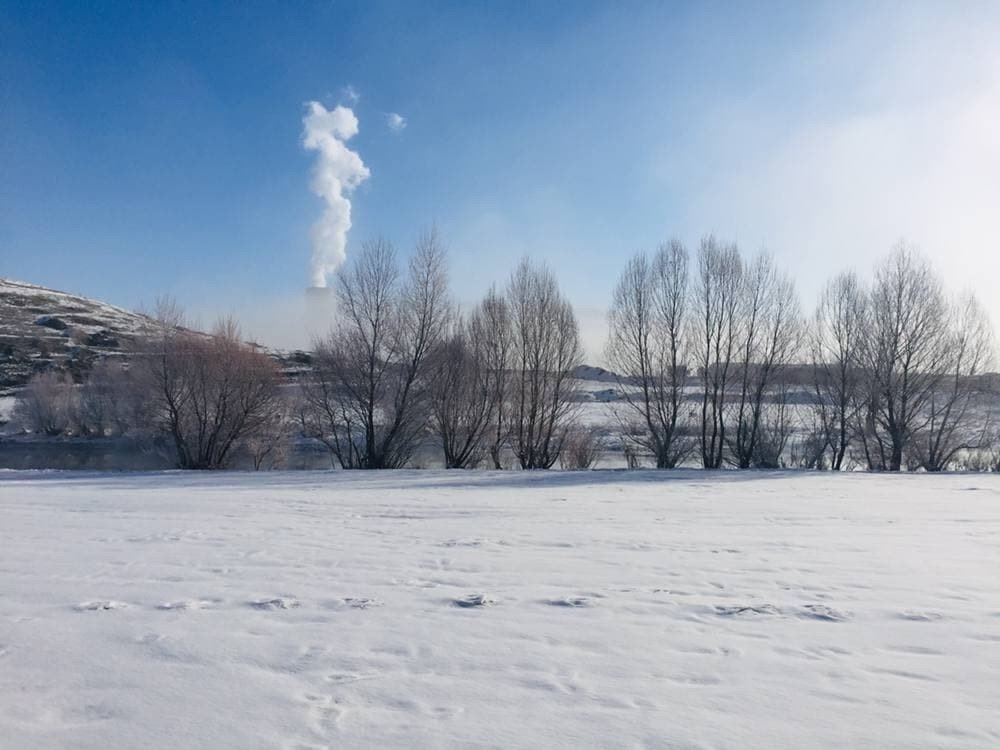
319 294
337 173
319 301
320 308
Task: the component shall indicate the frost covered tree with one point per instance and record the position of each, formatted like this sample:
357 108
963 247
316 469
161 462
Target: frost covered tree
647 350
545 349
109 401
48 405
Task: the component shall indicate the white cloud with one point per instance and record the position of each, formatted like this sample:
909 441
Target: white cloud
395 121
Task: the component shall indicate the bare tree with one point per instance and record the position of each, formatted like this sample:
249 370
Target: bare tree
810 450
321 409
717 298
491 324
774 429
108 401
546 349
269 446
905 356
769 333
368 402
956 420
206 393
836 341
630 450
168 313
581 449
646 350
464 400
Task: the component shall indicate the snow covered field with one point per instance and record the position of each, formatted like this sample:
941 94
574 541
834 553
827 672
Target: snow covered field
631 610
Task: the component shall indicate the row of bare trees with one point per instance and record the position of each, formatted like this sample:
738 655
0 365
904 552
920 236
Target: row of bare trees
206 396
733 325
716 365
367 400
900 370
707 361
105 404
402 362
403 370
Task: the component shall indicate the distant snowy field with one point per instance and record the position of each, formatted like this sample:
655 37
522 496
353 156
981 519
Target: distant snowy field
620 610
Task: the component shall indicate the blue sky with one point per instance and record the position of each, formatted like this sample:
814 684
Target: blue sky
151 148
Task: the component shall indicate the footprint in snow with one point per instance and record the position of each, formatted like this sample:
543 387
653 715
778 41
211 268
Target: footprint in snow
352 602
475 600
914 616
571 601
100 605
822 612
185 604
343 678
914 650
735 610
473 542
278 602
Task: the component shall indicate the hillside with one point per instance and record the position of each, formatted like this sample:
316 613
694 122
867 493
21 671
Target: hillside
42 328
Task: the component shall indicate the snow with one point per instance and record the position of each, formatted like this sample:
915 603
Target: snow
54 303
7 406
508 610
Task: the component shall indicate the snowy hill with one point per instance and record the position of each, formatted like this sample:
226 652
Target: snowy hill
42 328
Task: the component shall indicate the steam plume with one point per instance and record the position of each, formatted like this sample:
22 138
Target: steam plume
338 171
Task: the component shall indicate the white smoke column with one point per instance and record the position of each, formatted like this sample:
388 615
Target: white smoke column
338 172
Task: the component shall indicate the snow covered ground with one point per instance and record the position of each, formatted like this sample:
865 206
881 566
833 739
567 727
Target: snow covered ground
545 610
